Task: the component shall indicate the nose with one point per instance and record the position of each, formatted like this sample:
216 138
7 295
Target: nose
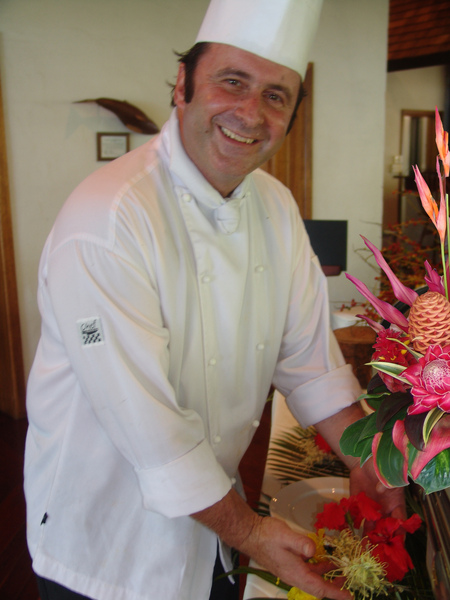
250 110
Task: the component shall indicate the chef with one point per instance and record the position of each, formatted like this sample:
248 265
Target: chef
176 286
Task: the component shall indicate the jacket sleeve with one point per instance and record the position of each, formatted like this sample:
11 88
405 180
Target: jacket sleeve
311 372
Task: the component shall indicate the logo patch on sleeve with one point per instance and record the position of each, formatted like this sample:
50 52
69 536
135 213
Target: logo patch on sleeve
91 331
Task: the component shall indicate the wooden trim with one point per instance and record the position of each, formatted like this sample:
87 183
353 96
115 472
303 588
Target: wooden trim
12 381
292 164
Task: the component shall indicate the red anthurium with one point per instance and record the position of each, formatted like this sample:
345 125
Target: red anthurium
442 144
439 440
401 292
384 309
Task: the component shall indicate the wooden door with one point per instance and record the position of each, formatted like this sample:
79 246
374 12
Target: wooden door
292 164
12 382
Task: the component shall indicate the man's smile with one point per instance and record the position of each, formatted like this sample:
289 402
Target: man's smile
234 136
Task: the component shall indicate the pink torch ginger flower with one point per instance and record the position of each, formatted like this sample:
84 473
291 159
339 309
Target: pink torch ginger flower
430 380
387 350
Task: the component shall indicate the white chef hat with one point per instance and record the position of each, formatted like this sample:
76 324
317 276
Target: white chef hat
279 30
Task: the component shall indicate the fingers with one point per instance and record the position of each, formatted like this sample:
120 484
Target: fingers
380 488
304 547
322 567
318 587
392 501
399 513
283 552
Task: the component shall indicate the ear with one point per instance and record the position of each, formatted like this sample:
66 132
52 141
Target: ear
179 91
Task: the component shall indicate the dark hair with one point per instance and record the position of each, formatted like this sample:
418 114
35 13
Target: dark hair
301 95
190 59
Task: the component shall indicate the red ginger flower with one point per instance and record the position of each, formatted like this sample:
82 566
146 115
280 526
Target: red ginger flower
390 351
359 507
388 538
430 380
332 517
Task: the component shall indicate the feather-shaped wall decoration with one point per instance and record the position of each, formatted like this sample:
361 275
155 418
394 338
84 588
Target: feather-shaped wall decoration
131 116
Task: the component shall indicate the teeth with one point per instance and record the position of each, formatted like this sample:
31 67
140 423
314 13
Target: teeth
235 136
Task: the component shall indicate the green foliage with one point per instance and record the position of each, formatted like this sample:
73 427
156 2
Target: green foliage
390 461
436 473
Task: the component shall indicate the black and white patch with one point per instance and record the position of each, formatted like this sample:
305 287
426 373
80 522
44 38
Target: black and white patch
91 331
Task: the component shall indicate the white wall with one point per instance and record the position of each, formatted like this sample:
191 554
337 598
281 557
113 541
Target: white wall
53 52
349 58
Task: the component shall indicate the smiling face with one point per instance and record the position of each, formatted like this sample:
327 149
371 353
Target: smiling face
239 113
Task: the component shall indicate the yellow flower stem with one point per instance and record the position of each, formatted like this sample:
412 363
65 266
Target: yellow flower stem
445 268
444 262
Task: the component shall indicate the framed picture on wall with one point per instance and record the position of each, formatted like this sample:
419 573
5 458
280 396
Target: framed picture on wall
112 145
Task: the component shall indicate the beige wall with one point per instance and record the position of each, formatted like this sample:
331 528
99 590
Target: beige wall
53 52
414 89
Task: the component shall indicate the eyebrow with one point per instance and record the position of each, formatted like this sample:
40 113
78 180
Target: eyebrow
229 71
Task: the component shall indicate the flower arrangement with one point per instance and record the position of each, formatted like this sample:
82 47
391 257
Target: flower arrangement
370 563
365 551
408 433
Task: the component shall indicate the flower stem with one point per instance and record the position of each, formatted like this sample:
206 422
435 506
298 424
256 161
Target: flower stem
444 262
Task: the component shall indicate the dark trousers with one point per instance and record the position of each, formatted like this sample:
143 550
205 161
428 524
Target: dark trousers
222 589
49 590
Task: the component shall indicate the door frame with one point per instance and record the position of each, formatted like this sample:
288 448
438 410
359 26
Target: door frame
12 380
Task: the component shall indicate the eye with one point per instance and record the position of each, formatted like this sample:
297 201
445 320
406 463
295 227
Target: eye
276 98
233 82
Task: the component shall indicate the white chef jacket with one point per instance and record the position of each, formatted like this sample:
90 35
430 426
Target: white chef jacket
166 315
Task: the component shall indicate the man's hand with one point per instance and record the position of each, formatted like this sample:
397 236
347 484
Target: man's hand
361 479
392 500
270 543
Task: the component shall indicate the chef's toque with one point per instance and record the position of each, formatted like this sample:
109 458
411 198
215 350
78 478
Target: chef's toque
279 30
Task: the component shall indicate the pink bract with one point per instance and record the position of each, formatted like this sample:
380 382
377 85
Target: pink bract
430 380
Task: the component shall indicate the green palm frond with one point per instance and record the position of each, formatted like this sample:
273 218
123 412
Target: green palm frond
294 456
